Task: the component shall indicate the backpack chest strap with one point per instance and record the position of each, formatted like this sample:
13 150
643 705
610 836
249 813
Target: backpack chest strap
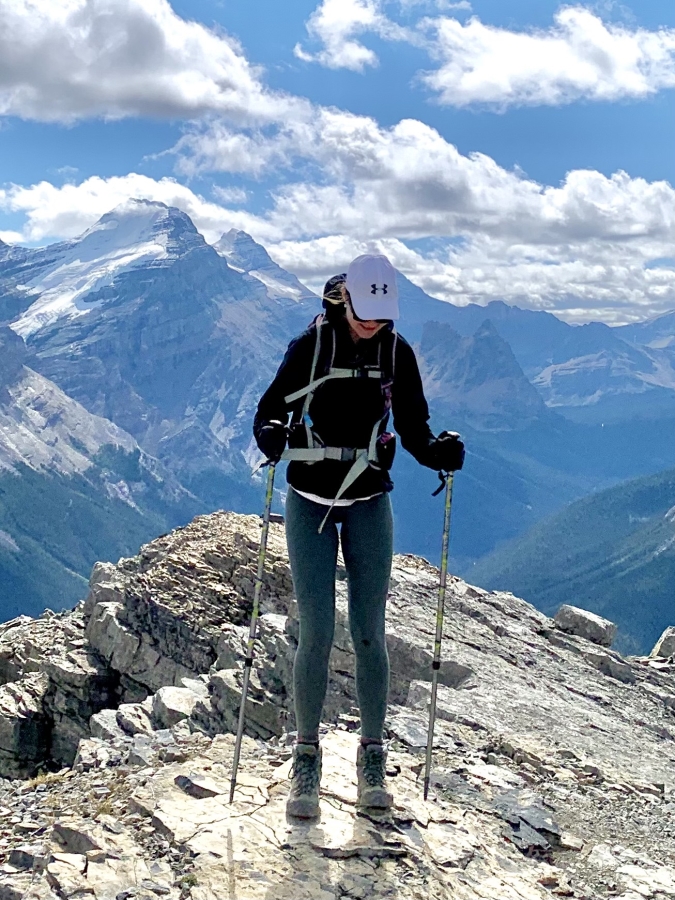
332 373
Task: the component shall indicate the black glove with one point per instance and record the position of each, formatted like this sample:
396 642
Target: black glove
446 452
271 440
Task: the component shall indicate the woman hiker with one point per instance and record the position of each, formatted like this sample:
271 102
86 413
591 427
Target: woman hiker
339 380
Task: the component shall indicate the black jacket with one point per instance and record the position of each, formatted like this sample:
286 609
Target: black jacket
343 411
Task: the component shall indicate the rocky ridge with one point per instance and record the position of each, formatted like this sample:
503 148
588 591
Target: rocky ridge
553 767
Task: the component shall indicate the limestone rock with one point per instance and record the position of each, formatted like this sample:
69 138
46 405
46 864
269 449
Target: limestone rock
547 750
104 725
585 624
171 705
24 728
135 718
612 666
665 646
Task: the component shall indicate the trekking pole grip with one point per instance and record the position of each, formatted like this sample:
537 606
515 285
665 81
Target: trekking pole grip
248 664
436 665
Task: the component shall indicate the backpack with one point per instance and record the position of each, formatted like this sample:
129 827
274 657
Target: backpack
360 457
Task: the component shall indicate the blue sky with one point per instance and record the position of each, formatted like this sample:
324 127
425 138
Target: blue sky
495 150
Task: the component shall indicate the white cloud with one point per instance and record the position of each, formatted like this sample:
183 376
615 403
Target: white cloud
608 283
66 211
408 181
11 237
62 60
581 250
579 57
235 195
579 247
215 145
336 23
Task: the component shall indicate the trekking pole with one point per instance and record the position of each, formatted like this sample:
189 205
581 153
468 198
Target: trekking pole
436 665
254 622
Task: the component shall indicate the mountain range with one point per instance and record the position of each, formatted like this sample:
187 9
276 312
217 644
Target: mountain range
140 324
614 552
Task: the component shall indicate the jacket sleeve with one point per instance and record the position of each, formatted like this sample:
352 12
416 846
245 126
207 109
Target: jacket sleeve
293 374
409 405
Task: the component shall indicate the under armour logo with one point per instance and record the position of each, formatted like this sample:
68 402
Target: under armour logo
375 289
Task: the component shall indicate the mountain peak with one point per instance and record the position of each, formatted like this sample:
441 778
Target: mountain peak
245 254
135 234
478 377
136 221
242 252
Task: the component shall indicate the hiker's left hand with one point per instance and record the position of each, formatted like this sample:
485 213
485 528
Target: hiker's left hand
446 453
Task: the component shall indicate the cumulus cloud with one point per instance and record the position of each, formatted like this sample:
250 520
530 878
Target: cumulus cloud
63 212
61 60
337 23
408 181
580 247
579 57
610 282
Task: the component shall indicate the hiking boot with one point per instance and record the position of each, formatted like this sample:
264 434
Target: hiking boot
303 799
370 769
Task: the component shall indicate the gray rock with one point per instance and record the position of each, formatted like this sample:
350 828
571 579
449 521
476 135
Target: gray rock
665 646
134 718
198 786
409 728
24 725
264 718
171 705
142 751
28 856
75 839
104 725
95 753
585 624
612 666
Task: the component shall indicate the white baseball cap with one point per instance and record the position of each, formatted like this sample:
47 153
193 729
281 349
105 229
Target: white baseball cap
371 282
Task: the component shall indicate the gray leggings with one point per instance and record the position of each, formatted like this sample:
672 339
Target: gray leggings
367 546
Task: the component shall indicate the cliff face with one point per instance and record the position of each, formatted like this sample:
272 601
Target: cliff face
553 766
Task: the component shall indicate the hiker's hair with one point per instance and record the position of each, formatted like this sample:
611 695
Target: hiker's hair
335 296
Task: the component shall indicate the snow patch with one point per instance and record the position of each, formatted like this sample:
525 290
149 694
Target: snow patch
276 287
8 542
132 235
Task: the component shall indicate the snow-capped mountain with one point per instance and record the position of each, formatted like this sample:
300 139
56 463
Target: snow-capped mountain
247 256
73 274
145 324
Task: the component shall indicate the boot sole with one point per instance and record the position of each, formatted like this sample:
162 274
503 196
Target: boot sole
376 803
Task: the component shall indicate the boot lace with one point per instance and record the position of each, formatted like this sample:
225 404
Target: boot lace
373 766
305 773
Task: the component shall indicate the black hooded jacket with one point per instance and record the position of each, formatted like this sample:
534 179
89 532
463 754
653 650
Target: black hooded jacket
344 411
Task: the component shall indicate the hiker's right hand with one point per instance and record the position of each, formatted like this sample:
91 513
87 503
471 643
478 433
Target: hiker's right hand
272 440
